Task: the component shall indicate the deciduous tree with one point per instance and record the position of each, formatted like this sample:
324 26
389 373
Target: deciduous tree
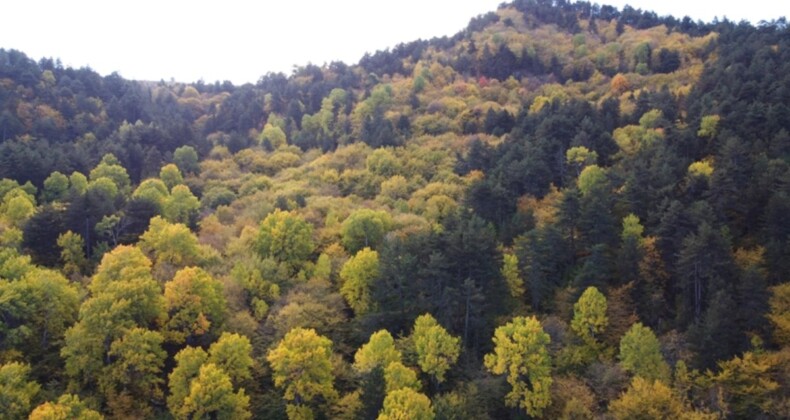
640 354
406 404
436 349
302 366
520 350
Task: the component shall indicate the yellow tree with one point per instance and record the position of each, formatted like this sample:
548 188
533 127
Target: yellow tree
780 313
302 366
436 349
589 315
358 275
406 404
67 407
195 306
16 392
285 237
520 351
379 351
651 399
211 396
512 275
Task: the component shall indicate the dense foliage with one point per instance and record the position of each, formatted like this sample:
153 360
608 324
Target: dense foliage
564 210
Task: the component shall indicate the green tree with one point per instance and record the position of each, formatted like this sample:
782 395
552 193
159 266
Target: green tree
436 349
579 157
379 351
365 228
72 253
17 207
182 206
68 407
640 354
358 275
397 376
211 396
186 158
188 363
520 350
35 312
124 295
406 404
78 183
16 392
302 366
154 191
171 243
274 135
285 237
195 306
171 176
133 378
111 168
589 315
233 354
55 187
708 126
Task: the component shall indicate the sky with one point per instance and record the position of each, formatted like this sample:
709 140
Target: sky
240 40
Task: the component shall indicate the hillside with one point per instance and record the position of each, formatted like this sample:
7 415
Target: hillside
564 210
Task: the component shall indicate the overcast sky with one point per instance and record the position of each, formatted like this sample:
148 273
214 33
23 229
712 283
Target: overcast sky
241 40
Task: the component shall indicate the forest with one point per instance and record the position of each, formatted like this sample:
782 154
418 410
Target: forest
565 210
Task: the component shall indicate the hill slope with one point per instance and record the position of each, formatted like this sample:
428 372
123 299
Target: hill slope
623 178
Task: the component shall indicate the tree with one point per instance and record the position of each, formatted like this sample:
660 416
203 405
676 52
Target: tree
589 315
188 363
67 407
133 378
16 392
124 295
154 191
406 404
55 187
301 365
182 206
747 384
579 157
512 275
274 135
171 176
436 349
379 351
358 275
72 253
640 354
365 228
233 354
780 313
195 306
397 376
211 396
186 158
520 350
35 312
285 237
111 168
648 399
171 243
